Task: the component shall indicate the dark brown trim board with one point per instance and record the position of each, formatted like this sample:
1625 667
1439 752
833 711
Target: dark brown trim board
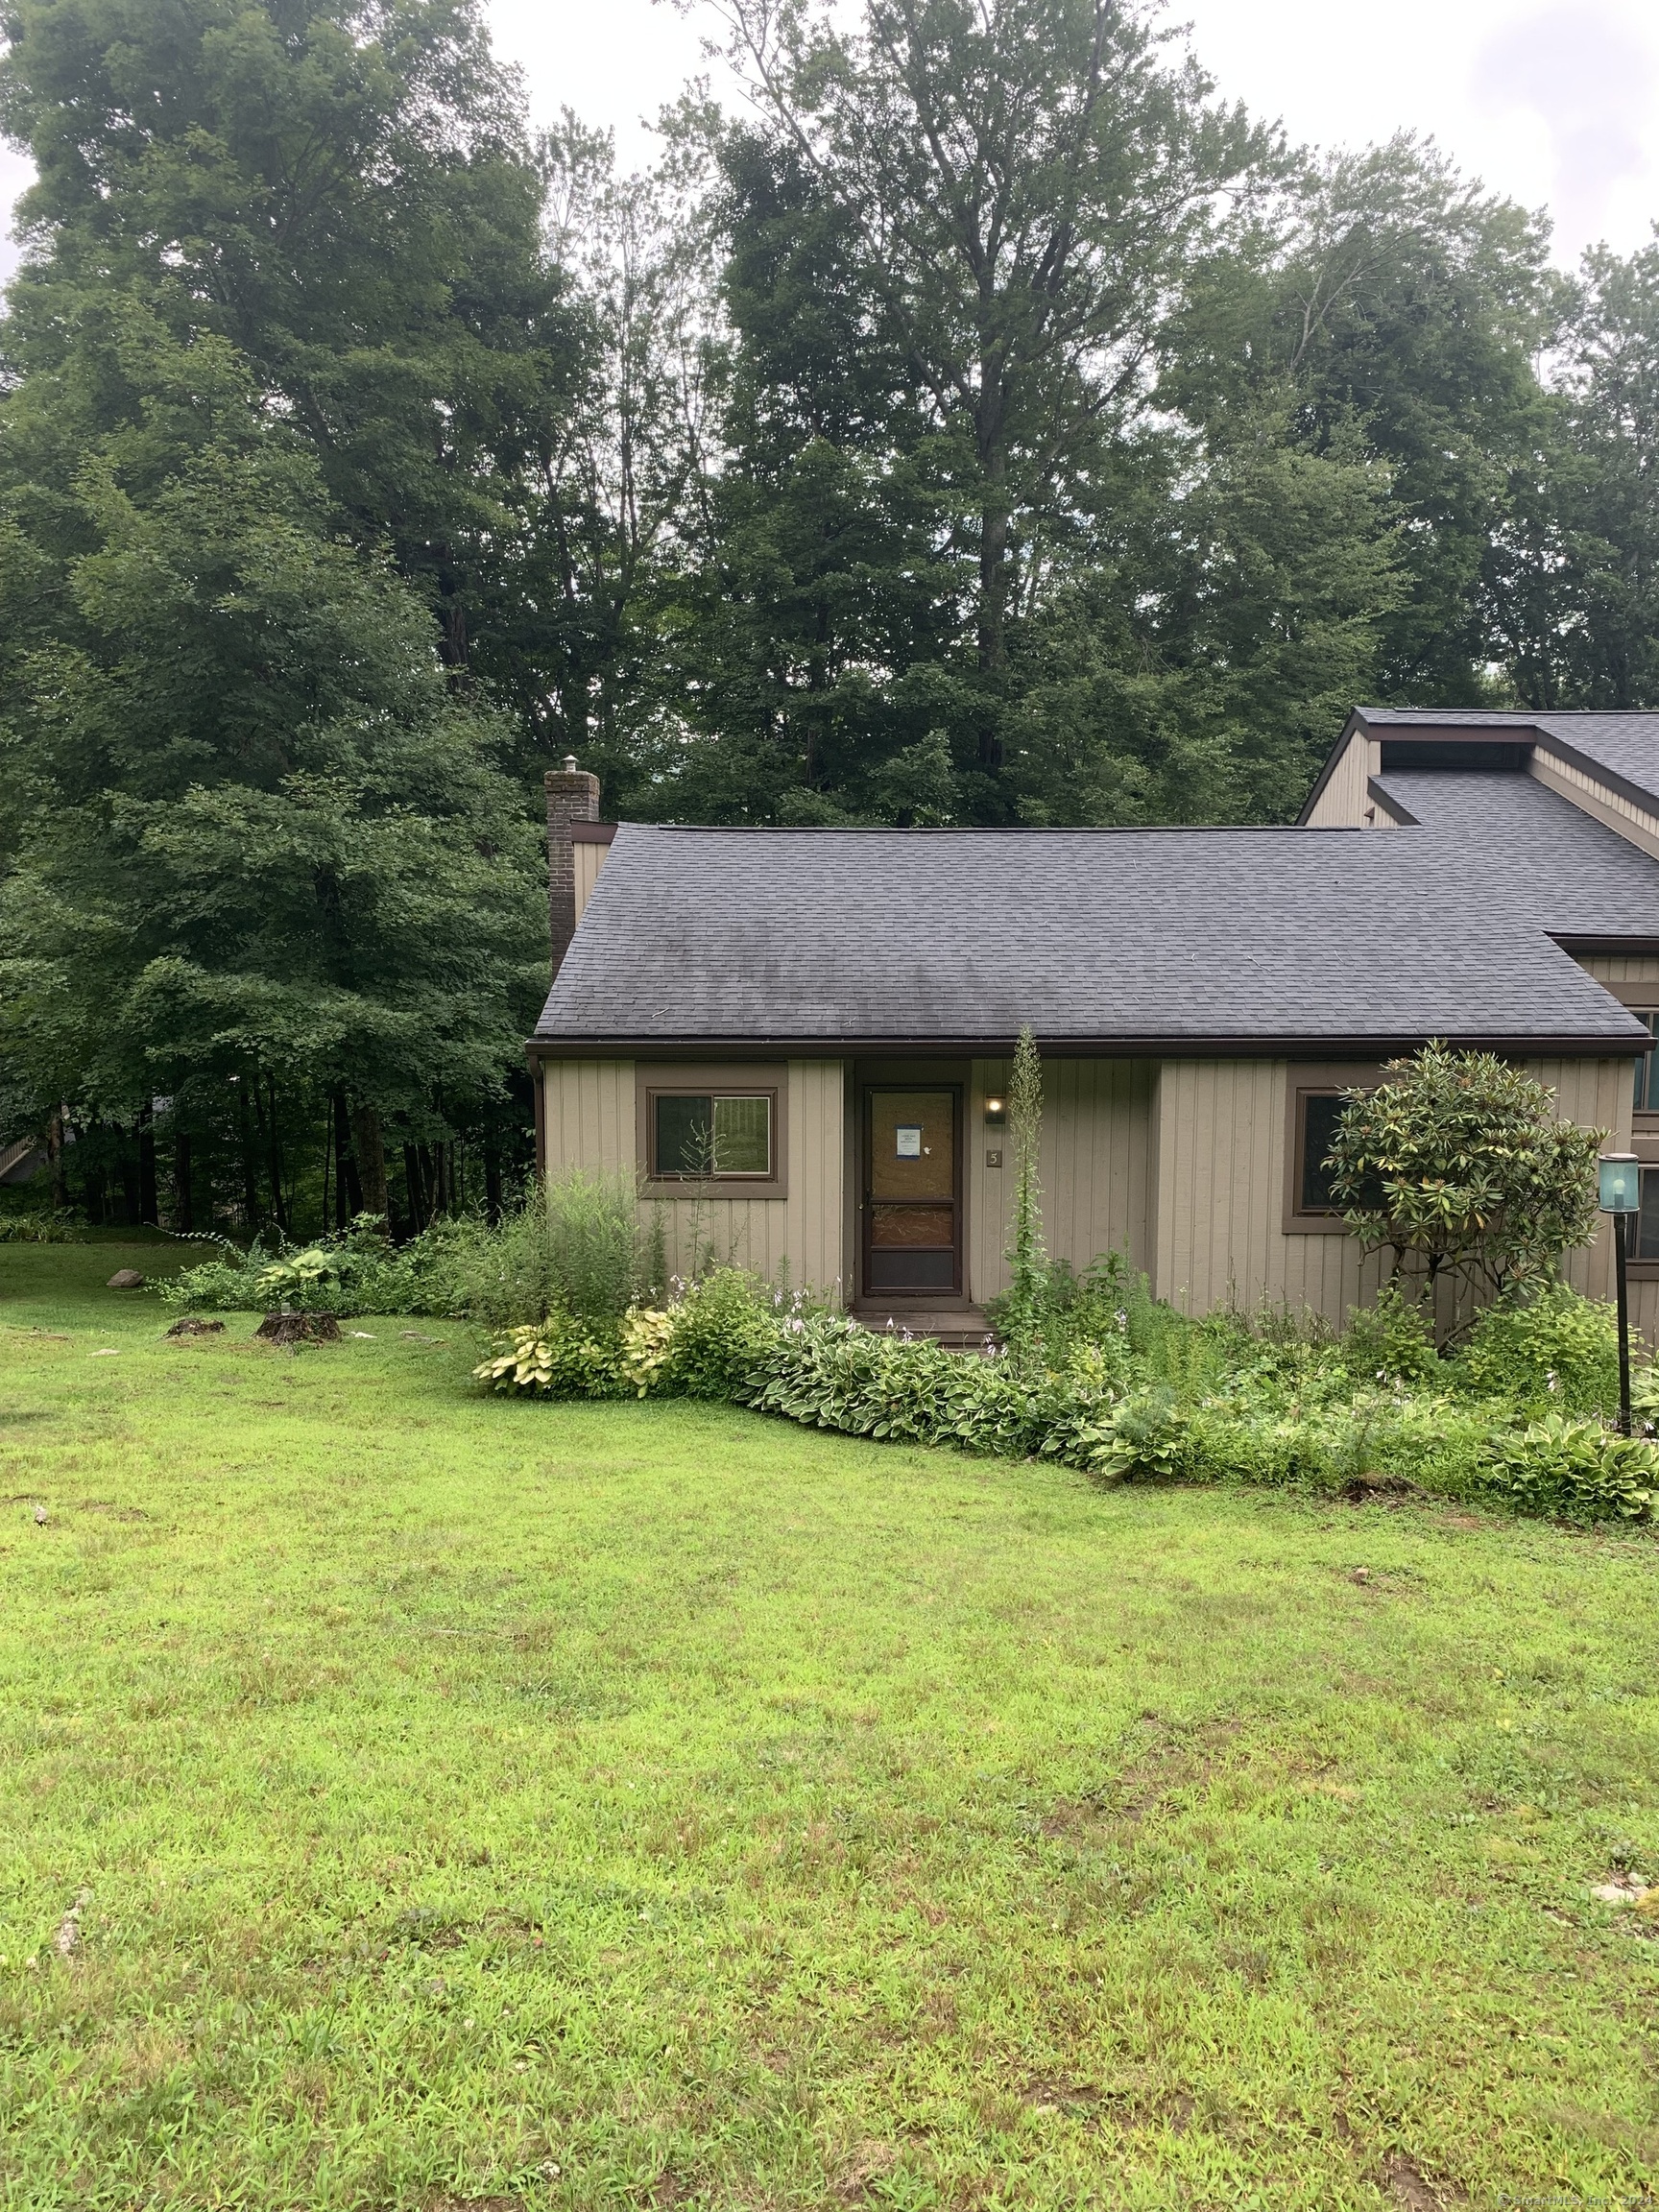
593 832
1314 1079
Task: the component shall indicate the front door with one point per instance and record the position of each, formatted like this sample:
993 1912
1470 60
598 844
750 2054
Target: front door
912 1192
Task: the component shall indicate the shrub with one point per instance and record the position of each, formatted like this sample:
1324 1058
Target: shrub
1390 1341
723 1325
358 1272
1458 1165
1148 1436
833 1374
560 1357
1576 1469
55 1226
1024 1307
1558 1352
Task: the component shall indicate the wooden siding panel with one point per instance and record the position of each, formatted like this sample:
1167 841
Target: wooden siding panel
592 1123
1094 1166
1597 1094
1345 804
1621 966
1219 1235
589 858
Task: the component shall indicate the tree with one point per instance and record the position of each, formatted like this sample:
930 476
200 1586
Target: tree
1579 614
269 863
1458 1167
1011 197
339 191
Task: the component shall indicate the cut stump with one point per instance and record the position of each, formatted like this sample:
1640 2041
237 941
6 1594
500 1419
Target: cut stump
286 1327
192 1325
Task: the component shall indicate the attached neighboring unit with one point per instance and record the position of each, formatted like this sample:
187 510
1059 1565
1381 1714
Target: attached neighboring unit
800 1039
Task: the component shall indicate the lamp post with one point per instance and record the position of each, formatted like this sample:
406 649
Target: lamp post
1619 1192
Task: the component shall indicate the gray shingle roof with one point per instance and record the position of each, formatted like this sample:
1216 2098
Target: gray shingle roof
1173 937
1513 840
1626 745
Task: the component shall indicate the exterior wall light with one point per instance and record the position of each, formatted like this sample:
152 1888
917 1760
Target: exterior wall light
995 1113
1619 1192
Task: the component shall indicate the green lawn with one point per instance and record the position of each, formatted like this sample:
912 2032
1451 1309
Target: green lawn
519 1805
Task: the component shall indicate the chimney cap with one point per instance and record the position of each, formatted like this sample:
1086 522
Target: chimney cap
569 764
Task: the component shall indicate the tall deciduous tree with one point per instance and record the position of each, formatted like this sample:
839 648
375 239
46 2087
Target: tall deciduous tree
1019 189
264 840
342 191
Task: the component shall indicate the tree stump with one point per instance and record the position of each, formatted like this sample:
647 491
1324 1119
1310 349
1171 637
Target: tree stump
192 1325
291 1328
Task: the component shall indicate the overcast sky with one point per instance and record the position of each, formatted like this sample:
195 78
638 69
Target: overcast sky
1554 102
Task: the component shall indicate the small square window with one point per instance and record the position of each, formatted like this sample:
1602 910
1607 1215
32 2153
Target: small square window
703 1136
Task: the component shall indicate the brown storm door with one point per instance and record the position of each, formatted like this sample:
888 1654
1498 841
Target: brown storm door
912 1192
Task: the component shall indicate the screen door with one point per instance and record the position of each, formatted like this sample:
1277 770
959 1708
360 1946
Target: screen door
912 1196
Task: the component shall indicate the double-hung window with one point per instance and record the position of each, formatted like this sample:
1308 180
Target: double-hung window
713 1135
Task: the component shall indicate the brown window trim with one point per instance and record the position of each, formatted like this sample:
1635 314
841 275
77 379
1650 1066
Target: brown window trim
1321 1080
1638 999
722 1079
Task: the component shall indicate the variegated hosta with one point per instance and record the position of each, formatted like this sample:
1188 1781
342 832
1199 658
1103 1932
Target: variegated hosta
527 1366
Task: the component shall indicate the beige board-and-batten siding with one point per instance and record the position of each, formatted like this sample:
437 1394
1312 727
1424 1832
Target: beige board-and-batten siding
1182 1166
1345 803
1222 1129
588 857
1095 1165
1625 973
591 1122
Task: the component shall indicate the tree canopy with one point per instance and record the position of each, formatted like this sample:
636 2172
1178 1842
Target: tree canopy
991 422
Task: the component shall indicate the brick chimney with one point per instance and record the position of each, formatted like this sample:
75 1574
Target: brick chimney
573 796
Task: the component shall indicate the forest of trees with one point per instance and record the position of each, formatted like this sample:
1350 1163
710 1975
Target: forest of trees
986 423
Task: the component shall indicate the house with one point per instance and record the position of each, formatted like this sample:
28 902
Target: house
800 1039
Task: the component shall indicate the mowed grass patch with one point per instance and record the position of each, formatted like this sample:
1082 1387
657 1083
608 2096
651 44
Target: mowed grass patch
412 1798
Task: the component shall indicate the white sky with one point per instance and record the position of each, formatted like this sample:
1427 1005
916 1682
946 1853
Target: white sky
1554 102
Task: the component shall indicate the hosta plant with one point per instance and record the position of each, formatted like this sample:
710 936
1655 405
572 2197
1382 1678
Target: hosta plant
1576 1469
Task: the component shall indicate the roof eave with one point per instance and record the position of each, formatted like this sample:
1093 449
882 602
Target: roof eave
1610 1043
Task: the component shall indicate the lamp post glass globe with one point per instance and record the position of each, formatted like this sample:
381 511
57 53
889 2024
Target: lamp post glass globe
1619 1184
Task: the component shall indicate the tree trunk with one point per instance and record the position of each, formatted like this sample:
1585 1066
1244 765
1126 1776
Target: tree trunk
412 1176
149 1210
369 1145
250 1182
55 1157
347 1182
273 1156
492 1208
183 1203
992 623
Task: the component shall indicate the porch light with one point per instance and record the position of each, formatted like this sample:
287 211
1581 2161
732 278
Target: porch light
995 1113
1619 1192
1619 1187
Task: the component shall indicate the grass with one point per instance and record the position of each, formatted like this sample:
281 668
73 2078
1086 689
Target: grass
506 1805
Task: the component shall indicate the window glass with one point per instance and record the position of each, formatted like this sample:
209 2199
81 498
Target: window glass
700 1135
742 1135
685 1135
1645 1243
1320 1115
1647 1072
